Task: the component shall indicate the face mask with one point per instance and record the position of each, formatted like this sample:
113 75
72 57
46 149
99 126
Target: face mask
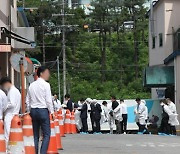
162 104
6 89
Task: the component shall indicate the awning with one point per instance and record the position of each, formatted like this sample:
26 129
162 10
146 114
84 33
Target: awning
159 76
17 37
171 57
35 61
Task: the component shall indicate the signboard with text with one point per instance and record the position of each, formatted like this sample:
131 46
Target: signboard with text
5 48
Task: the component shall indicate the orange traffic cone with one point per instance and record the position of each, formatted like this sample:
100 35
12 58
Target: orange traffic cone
61 123
2 139
67 123
16 145
57 130
52 149
73 124
28 135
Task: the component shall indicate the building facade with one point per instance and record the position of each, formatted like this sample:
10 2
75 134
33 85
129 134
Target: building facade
15 37
163 73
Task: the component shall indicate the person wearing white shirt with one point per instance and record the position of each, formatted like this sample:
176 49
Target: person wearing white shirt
117 114
173 120
166 112
3 102
107 117
140 116
57 103
13 105
39 103
124 116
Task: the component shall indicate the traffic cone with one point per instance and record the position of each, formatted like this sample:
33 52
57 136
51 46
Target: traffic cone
28 135
16 144
61 123
67 123
57 130
73 124
2 139
52 149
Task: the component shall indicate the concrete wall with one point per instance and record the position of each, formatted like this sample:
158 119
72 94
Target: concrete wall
156 55
166 21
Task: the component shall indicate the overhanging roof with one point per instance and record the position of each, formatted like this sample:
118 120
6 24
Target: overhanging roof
159 76
171 57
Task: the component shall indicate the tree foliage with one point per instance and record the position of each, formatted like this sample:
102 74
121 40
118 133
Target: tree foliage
106 58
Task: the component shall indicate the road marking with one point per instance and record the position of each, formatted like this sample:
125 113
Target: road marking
129 145
143 145
161 145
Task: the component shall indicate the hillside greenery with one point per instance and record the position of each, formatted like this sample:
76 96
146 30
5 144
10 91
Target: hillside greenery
107 58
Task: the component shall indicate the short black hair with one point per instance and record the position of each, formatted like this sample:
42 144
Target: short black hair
104 103
82 100
121 100
67 96
5 80
138 99
113 97
41 69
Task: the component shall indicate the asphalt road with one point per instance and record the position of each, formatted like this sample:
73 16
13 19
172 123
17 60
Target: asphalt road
120 144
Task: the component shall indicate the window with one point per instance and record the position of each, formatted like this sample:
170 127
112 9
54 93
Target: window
153 42
178 40
160 40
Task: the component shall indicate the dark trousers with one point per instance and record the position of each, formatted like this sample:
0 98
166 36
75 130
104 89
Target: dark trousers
84 125
97 125
124 123
40 119
141 127
93 123
164 128
118 127
173 130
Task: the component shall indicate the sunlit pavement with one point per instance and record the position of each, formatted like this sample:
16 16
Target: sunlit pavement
120 144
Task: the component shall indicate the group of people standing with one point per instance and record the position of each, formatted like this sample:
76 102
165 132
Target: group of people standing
169 118
116 113
10 104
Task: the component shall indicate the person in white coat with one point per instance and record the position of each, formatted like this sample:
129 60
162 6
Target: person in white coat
140 115
13 104
3 102
173 120
117 114
107 117
57 103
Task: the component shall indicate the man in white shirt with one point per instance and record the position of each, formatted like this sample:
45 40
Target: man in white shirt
173 118
3 102
140 117
117 114
57 103
124 116
39 103
13 104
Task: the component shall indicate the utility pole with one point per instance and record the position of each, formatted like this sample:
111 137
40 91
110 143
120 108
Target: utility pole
44 53
59 86
64 48
63 14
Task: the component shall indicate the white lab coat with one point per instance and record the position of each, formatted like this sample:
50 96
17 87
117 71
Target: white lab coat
141 113
104 117
12 108
173 116
77 117
117 113
57 104
146 113
3 102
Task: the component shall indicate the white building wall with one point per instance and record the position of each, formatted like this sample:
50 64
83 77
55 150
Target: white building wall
156 55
